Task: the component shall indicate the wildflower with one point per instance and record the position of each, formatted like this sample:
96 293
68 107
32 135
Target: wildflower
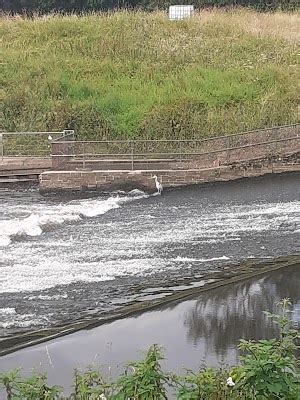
102 397
230 382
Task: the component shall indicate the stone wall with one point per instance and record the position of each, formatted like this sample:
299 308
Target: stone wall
100 180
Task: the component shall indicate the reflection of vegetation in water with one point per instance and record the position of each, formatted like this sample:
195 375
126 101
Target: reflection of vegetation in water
223 316
268 371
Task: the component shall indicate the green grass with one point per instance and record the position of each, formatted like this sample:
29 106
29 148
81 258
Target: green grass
136 74
268 370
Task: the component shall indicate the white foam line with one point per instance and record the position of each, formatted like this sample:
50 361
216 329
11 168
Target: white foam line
44 217
201 260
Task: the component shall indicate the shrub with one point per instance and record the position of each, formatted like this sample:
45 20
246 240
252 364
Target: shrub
146 380
269 367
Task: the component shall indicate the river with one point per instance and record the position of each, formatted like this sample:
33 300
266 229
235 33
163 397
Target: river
204 329
66 258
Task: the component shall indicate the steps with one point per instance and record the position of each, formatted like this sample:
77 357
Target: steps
22 169
20 175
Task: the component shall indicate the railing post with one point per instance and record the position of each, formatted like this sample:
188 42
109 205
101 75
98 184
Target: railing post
228 149
1 146
57 158
132 155
83 155
180 152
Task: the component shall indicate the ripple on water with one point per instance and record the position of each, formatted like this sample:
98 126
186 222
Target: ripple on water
102 249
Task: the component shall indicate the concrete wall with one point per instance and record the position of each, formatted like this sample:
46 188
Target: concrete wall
54 181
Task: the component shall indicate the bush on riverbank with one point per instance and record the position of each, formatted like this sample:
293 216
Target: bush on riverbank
137 74
268 371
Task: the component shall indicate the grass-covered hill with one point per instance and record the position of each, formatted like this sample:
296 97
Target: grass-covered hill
137 74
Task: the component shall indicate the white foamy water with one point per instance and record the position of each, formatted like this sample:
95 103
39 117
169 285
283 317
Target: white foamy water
9 317
62 260
201 260
7 311
42 217
50 273
127 248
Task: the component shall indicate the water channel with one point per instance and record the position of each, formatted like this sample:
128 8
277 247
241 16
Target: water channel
204 329
65 258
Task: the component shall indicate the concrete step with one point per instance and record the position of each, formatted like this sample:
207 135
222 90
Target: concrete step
18 179
21 172
12 163
124 165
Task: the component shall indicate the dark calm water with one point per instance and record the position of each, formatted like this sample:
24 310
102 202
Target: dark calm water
62 259
205 328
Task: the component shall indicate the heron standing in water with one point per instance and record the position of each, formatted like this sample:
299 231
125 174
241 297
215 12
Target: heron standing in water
158 185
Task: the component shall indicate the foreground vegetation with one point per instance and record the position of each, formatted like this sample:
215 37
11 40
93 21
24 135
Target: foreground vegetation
137 74
268 371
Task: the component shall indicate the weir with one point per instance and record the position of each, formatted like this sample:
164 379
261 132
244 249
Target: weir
239 273
84 264
62 163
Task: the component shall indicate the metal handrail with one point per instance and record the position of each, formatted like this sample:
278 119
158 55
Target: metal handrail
213 138
175 153
39 138
65 133
183 155
31 133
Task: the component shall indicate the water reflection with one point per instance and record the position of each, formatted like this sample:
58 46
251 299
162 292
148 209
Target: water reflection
225 315
88 256
206 328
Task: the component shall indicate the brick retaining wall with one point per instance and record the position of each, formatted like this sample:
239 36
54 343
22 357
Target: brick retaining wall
54 181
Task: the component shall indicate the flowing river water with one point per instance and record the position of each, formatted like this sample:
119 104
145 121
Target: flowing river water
203 329
63 259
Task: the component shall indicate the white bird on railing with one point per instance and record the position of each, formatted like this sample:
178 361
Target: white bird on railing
50 137
158 185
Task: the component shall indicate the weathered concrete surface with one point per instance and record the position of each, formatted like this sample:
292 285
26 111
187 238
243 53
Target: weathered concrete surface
12 163
21 168
109 180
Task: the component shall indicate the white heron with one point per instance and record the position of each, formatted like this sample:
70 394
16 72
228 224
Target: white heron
158 185
50 137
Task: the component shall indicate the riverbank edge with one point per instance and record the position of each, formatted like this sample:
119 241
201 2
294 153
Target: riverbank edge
262 267
54 182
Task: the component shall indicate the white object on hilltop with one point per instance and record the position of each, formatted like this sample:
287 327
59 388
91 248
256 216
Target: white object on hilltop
230 382
158 185
180 12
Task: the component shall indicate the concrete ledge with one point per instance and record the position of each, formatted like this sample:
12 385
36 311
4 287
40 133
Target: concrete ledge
110 180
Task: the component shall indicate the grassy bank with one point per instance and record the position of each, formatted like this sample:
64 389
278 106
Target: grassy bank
136 74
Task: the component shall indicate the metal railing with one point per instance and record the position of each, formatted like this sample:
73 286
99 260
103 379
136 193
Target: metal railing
276 141
30 144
